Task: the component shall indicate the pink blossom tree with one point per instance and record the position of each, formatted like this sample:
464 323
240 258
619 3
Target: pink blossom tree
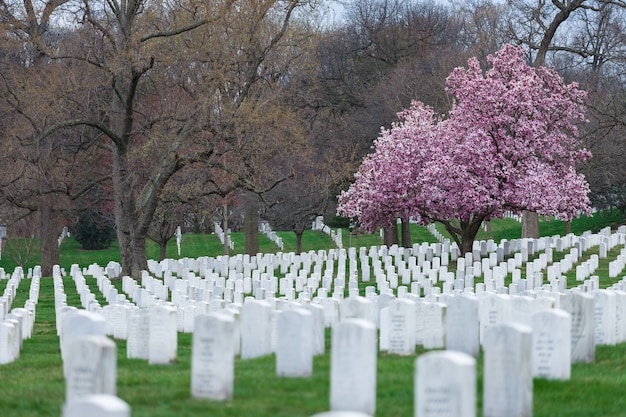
510 143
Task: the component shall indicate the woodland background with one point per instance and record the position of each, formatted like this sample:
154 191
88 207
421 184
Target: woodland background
147 115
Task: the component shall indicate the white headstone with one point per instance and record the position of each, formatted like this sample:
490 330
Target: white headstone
462 325
445 385
163 337
97 405
581 307
433 329
256 329
7 335
605 312
508 380
213 357
294 347
356 308
399 326
353 367
138 334
89 367
552 339
319 328
78 323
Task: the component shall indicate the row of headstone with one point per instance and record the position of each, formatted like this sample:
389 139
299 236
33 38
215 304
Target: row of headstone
16 324
445 381
426 270
438 339
431 319
266 229
221 235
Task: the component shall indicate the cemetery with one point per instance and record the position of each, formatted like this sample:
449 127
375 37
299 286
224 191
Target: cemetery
125 124
515 328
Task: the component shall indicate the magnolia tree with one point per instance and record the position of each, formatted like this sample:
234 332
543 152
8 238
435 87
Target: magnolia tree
510 143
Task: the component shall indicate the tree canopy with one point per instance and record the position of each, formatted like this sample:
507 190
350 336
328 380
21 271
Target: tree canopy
509 143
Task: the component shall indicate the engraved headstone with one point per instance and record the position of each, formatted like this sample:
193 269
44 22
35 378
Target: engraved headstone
399 327
445 385
552 335
356 308
256 329
508 380
294 347
581 307
605 312
433 329
163 337
89 367
353 367
462 325
213 356
138 334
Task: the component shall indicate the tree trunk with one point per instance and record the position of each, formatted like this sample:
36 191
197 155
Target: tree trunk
465 235
530 220
391 236
251 226
162 249
568 227
406 233
122 216
49 234
530 224
140 259
299 234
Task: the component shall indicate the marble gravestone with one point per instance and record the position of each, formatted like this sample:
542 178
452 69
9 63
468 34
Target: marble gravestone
445 385
213 357
462 325
605 314
163 337
552 335
294 347
433 318
353 366
97 405
319 333
356 308
7 346
78 323
90 367
508 380
256 329
581 307
400 327
138 335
